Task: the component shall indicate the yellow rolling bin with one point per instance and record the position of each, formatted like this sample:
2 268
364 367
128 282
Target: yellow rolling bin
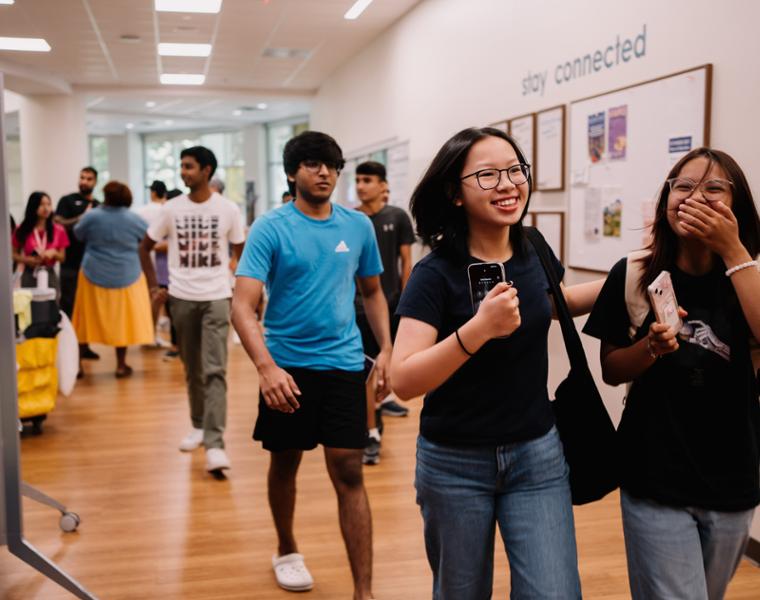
37 380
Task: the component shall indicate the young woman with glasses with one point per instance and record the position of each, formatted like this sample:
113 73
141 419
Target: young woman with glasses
690 432
488 451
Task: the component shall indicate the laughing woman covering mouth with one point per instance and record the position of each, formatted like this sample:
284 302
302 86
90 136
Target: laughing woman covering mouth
488 450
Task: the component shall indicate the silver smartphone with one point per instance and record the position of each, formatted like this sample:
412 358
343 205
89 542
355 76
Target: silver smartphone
483 277
663 299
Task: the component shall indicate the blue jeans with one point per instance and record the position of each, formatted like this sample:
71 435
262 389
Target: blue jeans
676 553
464 491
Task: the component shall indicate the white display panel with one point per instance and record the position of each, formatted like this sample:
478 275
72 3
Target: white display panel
523 130
550 150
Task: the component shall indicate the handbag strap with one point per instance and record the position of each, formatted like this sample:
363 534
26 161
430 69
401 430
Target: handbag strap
573 344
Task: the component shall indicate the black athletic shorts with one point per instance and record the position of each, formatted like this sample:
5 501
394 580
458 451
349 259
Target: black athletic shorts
333 413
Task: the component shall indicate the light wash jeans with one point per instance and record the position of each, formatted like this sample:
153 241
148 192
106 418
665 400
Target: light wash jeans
464 491
677 553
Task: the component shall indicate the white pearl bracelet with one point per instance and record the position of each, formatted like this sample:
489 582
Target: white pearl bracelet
745 265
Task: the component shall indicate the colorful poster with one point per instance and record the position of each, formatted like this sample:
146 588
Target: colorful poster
596 137
612 218
618 140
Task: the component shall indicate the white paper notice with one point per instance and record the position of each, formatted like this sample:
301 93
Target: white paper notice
522 131
592 214
549 149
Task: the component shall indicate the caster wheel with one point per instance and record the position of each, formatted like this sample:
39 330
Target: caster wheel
69 522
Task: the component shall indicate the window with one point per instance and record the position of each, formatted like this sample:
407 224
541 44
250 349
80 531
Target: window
162 152
99 160
278 135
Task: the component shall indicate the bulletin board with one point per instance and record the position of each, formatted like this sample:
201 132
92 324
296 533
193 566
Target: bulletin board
502 125
549 172
623 143
523 131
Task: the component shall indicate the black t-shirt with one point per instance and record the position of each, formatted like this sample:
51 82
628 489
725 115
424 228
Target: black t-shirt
690 430
69 207
498 396
393 229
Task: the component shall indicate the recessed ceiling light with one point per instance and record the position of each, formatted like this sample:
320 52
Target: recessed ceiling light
194 6
6 1
183 78
130 125
184 49
237 112
150 104
24 44
262 106
357 9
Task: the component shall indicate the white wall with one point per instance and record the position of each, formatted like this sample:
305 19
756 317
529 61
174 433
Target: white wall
53 143
118 159
14 189
450 64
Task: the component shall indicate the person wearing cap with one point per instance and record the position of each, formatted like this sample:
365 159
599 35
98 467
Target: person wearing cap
151 212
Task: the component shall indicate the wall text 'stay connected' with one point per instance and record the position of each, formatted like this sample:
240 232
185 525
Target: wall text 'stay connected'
622 51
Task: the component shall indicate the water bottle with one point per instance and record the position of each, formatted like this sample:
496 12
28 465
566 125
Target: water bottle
42 278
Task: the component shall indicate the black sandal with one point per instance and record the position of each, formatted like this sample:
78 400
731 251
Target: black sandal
126 372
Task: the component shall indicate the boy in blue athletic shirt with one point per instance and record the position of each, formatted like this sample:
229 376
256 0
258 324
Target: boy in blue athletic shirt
311 254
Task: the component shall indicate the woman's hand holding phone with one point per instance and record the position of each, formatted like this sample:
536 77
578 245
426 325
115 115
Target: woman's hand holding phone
662 338
499 313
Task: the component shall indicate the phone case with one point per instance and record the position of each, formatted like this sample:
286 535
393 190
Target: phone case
664 303
482 278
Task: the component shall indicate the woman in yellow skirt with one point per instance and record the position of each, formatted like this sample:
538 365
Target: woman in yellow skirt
112 304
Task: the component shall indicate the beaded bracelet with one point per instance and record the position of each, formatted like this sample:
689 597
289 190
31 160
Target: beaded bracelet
461 345
744 265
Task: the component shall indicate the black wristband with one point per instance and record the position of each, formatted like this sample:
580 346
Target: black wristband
461 345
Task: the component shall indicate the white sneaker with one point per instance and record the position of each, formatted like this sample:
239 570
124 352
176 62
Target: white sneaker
162 343
216 460
163 323
291 573
192 440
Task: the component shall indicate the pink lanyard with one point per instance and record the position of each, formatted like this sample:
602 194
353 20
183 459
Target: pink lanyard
40 242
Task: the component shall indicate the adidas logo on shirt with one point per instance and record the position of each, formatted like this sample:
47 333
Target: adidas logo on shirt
342 247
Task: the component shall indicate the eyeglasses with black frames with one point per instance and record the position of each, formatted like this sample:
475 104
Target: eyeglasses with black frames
315 166
488 179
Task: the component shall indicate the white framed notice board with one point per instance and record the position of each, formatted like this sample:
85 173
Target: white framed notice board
549 173
523 131
622 145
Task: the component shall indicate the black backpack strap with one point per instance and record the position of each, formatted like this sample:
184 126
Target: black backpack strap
573 344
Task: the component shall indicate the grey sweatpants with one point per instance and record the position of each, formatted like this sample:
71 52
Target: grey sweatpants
202 329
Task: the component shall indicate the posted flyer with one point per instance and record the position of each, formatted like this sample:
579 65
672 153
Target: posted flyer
618 124
596 137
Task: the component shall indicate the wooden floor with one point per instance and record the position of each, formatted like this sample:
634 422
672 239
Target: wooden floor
155 525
